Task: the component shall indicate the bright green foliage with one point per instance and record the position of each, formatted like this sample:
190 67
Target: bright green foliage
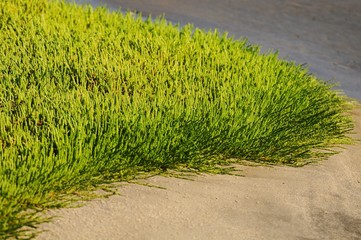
89 96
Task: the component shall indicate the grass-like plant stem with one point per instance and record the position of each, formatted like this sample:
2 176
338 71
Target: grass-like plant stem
89 96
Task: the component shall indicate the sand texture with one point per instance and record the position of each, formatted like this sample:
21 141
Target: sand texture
320 201
313 202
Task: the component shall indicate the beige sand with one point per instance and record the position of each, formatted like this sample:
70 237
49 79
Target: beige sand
313 202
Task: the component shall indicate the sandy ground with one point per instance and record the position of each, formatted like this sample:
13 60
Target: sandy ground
314 202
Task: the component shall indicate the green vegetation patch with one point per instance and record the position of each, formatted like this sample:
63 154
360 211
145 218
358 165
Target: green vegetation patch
89 96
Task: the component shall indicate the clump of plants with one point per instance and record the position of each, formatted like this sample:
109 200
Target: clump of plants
89 96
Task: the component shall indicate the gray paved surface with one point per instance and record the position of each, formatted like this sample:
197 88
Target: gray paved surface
325 34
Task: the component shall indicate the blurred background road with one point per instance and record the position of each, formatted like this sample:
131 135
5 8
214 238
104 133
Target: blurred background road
323 34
